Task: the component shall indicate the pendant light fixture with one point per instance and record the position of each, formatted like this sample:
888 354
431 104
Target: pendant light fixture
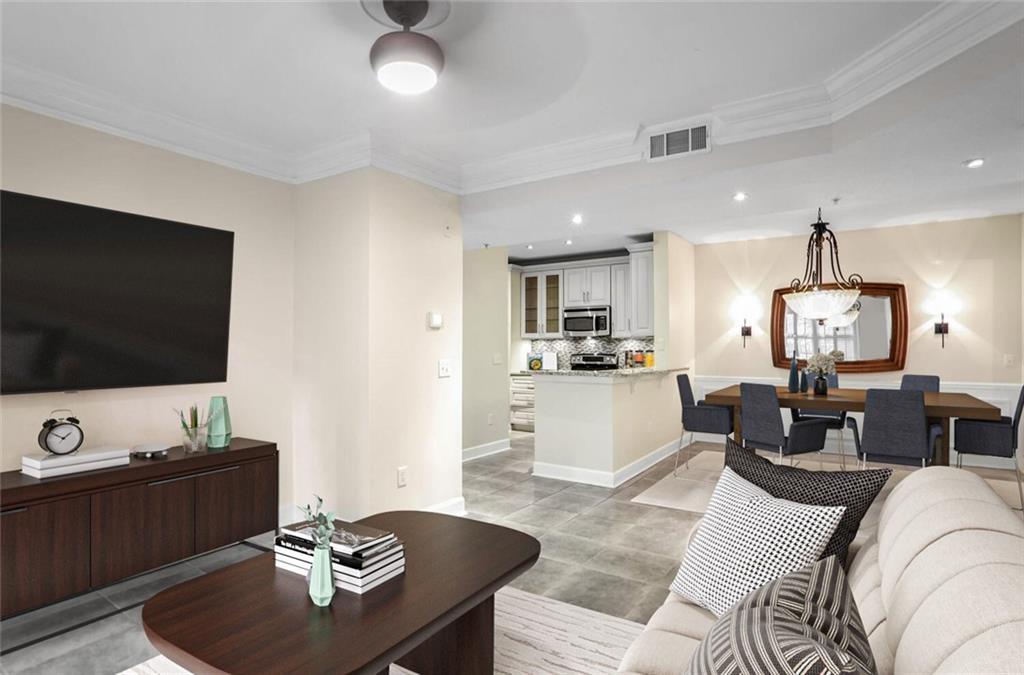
845 319
810 298
406 62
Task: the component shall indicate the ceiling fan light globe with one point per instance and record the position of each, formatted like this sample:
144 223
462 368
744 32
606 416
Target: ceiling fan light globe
406 62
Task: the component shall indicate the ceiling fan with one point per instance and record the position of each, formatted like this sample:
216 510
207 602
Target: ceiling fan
406 62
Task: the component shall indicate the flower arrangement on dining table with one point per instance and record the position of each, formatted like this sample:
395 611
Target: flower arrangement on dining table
821 365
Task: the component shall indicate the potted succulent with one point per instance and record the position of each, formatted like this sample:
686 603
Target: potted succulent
321 574
820 365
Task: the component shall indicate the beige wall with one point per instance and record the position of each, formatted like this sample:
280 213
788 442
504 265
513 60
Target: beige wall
674 301
50 158
330 406
485 337
330 353
415 417
978 261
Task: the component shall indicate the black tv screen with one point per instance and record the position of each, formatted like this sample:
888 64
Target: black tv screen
96 299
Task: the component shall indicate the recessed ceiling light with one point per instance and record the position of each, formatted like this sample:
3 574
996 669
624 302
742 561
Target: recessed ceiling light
529 247
974 163
568 242
577 219
740 197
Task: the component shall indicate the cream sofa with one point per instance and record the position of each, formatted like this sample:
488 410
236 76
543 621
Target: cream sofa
937 571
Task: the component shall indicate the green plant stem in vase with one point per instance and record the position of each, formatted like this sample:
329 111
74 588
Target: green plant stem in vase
321 574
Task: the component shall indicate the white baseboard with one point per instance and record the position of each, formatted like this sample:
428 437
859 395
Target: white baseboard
492 448
456 506
611 479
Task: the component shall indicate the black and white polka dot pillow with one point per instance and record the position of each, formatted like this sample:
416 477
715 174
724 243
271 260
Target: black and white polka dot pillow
748 538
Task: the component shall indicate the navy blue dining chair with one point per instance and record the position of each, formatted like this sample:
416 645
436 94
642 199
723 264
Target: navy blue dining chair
926 383
991 438
834 419
761 423
896 429
698 416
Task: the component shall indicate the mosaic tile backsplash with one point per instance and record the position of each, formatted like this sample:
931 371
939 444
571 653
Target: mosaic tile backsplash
569 346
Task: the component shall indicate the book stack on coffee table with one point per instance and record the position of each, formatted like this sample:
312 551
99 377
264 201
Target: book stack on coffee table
362 557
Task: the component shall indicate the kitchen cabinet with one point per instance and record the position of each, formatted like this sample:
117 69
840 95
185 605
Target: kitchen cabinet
542 304
45 553
620 302
641 265
587 286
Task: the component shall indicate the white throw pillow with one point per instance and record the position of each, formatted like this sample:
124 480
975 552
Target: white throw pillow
748 538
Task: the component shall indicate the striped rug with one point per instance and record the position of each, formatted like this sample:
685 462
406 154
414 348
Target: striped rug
533 635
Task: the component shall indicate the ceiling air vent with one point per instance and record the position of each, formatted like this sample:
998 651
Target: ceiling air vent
679 142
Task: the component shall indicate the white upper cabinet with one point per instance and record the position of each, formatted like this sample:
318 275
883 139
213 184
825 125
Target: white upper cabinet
588 286
641 265
542 304
621 320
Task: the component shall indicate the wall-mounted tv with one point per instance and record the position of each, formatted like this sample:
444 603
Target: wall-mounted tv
96 299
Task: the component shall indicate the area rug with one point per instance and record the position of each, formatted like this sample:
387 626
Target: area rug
532 635
691 488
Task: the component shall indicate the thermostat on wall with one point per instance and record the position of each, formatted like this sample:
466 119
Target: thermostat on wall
435 320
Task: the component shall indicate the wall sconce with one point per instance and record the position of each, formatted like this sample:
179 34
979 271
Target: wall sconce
745 332
745 307
942 328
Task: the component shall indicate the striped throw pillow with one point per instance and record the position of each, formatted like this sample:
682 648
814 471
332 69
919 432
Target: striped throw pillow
748 538
803 623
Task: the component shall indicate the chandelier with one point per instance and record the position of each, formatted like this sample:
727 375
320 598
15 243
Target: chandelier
811 297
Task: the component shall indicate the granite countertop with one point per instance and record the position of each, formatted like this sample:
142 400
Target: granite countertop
622 372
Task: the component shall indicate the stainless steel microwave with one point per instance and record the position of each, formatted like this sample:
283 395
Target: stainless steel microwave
587 322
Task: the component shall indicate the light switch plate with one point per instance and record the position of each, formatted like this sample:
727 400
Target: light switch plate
496 359
444 368
402 482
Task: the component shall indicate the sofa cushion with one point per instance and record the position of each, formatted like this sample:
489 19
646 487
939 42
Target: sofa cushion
658 652
856 490
803 622
747 538
678 615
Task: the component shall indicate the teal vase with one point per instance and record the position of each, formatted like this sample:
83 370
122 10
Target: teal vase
794 377
218 433
321 577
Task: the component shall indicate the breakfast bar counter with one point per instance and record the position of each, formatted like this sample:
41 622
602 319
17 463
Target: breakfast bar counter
602 427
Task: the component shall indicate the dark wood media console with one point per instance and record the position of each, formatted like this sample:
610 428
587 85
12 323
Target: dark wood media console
66 535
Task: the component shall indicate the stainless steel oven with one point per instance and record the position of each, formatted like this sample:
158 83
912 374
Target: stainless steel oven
586 322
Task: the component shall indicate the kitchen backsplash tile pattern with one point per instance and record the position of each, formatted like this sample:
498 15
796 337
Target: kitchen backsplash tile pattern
568 346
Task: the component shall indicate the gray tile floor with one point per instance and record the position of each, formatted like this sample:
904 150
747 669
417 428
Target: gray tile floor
101 632
598 550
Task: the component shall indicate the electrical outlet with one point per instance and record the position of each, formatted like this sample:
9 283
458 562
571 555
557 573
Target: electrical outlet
401 476
444 368
1009 360
490 419
496 359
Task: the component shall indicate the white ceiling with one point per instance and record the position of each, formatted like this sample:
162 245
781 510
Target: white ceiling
539 90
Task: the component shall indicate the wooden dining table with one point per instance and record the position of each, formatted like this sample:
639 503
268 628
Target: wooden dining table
938 406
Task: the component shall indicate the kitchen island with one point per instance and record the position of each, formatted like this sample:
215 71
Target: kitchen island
602 427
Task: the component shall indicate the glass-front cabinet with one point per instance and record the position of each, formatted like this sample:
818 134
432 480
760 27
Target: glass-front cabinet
542 304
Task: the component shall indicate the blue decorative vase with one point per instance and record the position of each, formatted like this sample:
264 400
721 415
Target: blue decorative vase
321 577
794 377
803 381
219 423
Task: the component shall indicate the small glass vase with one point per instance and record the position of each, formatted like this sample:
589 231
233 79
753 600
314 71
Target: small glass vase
820 386
193 439
321 577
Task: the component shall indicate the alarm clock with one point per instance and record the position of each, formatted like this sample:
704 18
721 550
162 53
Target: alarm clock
61 435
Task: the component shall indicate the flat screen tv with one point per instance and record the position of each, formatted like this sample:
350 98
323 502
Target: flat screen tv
97 299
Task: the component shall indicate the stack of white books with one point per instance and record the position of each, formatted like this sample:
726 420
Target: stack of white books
46 465
362 557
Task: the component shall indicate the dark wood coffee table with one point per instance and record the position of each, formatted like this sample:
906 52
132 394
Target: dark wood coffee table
436 618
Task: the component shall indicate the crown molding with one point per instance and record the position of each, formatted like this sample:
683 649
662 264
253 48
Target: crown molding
55 96
550 161
943 33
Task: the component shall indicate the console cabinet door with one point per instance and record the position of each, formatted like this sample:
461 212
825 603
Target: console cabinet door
142 527
235 503
45 553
